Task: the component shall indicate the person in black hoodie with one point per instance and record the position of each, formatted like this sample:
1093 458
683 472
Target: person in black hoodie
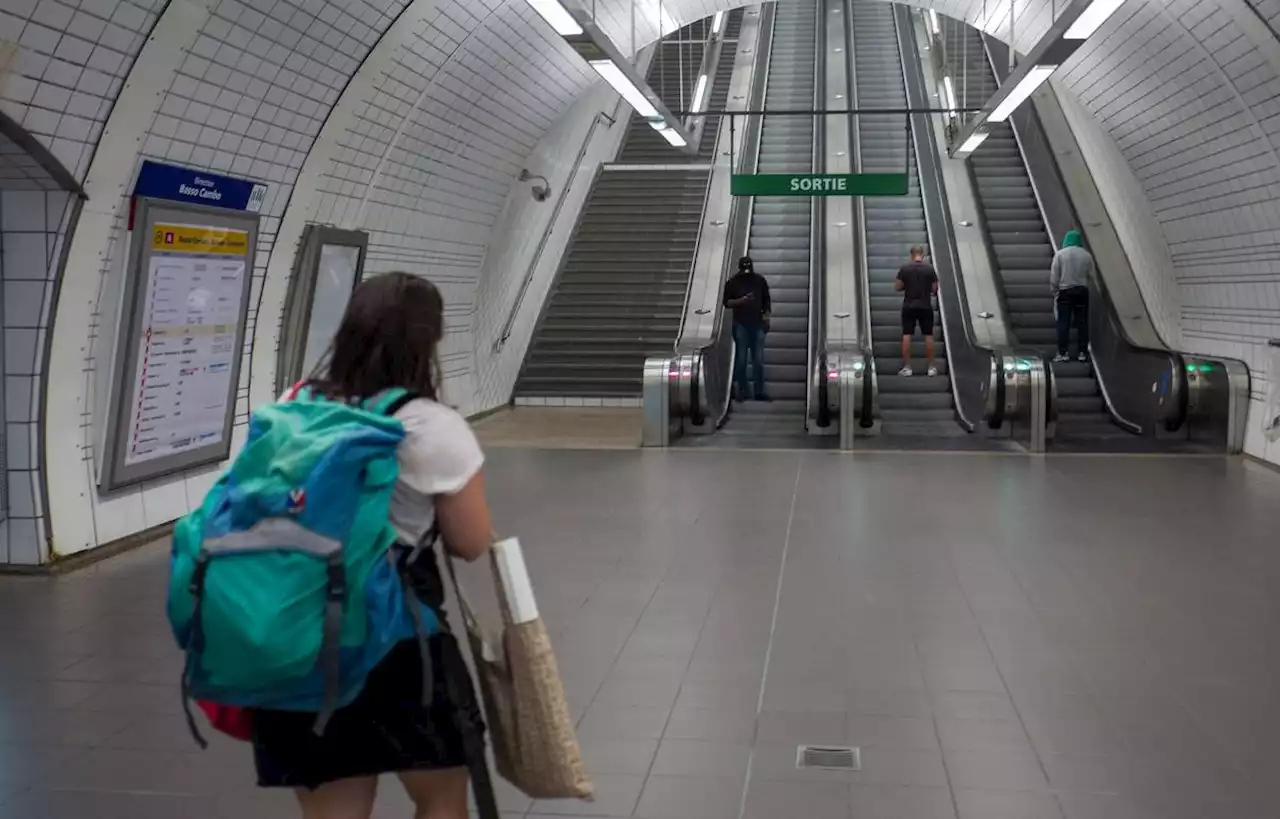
747 295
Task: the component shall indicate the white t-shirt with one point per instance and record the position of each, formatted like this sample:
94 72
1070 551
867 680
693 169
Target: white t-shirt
438 456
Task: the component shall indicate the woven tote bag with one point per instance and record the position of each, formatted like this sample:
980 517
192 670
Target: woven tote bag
535 747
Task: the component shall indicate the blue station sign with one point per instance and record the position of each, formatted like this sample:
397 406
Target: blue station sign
157 180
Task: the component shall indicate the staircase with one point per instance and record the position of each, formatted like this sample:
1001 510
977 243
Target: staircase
916 405
620 293
643 145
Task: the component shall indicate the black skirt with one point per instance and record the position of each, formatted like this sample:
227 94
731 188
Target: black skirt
386 729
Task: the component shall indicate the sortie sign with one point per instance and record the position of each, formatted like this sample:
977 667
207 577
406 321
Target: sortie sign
820 184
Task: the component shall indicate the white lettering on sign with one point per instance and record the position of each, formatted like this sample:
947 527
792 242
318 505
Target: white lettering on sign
203 193
821 184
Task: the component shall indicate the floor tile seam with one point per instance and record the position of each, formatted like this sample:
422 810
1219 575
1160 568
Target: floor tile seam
773 628
683 680
1044 771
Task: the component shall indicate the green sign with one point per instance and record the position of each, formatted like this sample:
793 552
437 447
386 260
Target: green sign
820 184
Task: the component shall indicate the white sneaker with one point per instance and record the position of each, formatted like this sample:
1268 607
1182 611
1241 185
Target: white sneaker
905 372
1083 358
1061 358
933 371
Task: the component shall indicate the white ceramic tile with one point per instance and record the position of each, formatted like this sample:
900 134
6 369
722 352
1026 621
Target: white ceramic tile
21 500
23 303
24 545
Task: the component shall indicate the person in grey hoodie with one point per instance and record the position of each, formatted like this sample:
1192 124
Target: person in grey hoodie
1069 279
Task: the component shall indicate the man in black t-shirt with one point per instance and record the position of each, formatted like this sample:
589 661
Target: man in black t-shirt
918 282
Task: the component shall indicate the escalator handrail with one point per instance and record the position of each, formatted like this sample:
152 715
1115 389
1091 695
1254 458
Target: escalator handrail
941 236
816 356
706 199
1098 286
742 210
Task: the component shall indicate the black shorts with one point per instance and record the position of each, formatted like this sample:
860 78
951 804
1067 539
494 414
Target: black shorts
913 316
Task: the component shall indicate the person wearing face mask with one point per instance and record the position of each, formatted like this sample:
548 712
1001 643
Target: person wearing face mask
747 295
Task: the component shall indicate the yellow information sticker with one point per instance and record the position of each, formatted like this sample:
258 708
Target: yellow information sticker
200 239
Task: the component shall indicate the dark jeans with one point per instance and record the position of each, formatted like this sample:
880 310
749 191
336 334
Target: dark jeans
1073 307
748 341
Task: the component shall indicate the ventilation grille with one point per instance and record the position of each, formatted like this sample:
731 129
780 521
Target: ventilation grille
829 757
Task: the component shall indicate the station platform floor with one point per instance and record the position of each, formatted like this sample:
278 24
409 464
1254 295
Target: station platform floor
1001 637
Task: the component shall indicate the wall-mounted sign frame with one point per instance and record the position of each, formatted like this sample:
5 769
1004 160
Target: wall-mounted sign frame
180 336
329 265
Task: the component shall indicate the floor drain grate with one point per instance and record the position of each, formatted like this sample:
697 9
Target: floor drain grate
829 757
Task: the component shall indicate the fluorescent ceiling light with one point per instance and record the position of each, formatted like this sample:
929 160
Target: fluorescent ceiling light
1025 88
670 134
717 22
1092 19
557 16
971 144
698 93
933 22
623 85
950 91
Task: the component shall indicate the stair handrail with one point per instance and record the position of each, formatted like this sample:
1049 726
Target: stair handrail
645 57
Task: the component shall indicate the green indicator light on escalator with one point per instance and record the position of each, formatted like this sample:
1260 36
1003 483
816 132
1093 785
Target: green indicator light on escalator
1191 368
1206 368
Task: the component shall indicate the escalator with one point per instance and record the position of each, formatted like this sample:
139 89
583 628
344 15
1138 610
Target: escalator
780 236
915 406
620 291
1021 248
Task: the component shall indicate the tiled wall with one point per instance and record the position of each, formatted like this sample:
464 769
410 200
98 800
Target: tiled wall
427 140
1132 216
32 224
66 64
246 96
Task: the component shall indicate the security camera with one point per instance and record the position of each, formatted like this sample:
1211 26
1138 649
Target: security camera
541 193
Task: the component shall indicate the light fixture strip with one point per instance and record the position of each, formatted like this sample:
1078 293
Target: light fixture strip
614 76
668 133
717 22
699 94
934 28
557 16
1027 86
971 144
1092 19
950 91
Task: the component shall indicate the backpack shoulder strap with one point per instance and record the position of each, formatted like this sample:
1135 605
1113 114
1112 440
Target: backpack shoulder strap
390 401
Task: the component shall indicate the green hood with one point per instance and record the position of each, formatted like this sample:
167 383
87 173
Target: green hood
1072 239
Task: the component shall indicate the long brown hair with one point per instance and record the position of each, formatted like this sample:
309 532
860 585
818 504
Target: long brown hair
389 337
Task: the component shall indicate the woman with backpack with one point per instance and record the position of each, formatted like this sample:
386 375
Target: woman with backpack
389 338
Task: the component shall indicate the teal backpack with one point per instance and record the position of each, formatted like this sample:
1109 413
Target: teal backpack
285 588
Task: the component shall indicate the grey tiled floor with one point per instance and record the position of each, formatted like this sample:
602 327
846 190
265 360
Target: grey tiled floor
1004 638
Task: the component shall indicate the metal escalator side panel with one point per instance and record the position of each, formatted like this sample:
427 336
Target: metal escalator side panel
1136 381
971 365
